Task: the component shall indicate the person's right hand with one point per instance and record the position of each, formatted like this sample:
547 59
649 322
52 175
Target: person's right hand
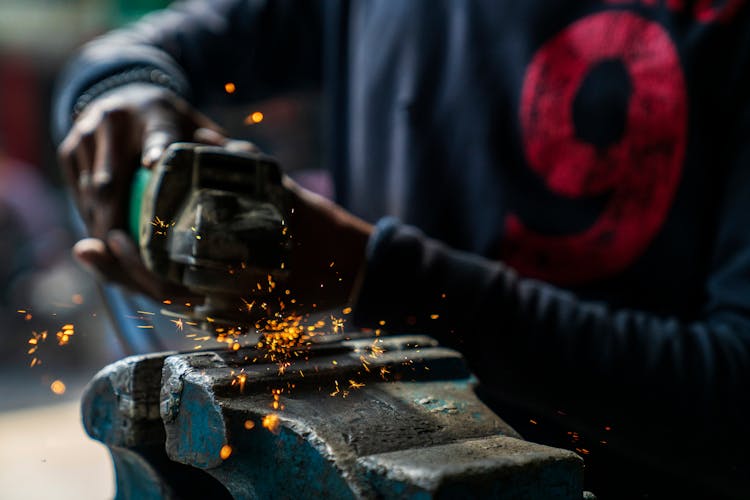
114 135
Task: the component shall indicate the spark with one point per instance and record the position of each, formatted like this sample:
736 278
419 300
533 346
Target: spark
337 324
240 380
283 365
253 118
272 423
337 391
434 316
225 452
160 226
248 305
376 350
249 424
230 87
58 387
178 323
277 405
365 364
355 385
27 314
347 310
63 336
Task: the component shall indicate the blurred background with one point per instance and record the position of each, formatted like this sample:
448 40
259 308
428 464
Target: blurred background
58 325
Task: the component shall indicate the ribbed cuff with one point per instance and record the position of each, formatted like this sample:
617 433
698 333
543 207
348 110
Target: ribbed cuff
87 75
413 283
143 74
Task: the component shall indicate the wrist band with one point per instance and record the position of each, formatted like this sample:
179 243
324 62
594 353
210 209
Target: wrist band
140 74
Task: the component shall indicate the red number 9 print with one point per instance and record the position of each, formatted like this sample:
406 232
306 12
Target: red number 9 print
638 174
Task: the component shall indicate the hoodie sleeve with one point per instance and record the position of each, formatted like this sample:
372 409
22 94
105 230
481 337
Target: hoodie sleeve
677 391
194 48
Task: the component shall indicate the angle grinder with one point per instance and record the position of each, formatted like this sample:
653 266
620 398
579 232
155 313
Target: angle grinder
213 221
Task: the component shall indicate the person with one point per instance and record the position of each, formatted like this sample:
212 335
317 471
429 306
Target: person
558 190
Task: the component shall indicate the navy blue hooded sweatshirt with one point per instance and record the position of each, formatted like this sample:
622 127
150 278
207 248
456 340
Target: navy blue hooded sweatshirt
570 182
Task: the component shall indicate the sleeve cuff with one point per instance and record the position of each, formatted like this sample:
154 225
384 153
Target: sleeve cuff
413 283
90 76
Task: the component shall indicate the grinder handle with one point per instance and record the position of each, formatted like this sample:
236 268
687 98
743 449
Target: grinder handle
137 189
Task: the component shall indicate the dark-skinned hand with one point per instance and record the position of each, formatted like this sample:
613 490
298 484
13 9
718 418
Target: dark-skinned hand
132 126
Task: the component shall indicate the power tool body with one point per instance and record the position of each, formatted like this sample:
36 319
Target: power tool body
213 221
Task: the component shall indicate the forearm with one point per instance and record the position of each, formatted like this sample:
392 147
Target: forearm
510 327
260 46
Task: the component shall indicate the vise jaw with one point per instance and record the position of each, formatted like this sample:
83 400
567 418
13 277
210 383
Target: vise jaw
339 422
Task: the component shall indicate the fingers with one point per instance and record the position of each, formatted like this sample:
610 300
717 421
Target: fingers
209 136
97 164
66 154
124 250
215 138
169 122
159 131
108 139
98 257
93 255
118 260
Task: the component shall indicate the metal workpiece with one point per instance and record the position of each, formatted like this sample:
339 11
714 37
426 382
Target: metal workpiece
393 417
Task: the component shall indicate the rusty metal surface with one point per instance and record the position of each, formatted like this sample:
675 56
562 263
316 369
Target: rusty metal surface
121 404
413 430
120 408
